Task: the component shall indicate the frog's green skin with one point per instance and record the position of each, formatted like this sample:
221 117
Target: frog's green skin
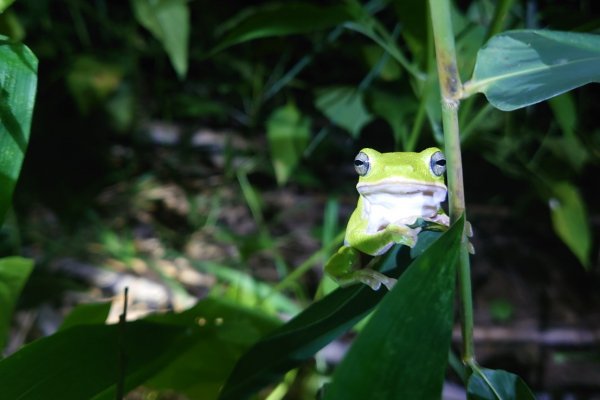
399 193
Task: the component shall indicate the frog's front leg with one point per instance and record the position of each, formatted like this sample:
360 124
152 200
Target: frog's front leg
379 242
344 268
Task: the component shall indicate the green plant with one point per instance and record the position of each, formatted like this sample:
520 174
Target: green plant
18 80
402 348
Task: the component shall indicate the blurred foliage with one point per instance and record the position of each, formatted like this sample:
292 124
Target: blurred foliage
168 134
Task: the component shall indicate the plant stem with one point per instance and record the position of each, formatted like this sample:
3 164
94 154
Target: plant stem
451 89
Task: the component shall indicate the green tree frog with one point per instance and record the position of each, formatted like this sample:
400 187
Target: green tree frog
399 195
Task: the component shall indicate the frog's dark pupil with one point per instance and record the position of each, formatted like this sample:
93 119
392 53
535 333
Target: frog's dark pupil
358 163
441 163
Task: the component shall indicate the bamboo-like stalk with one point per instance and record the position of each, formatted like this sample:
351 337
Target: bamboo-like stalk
451 90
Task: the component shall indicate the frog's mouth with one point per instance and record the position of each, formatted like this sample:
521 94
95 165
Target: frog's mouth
394 200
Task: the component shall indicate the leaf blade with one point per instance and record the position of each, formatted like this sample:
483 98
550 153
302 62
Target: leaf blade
288 132
18 83
519 68
489 384
410 353
169 23
570 220
279 20
301 337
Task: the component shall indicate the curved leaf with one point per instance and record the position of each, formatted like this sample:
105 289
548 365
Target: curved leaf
87 314
518 68
403 351
82 362
18 82
345 107
280 20
169 23
193 352
489 384
570 220
304 335
288 132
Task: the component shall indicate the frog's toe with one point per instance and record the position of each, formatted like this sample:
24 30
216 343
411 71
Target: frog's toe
375 279
406 238
372 283
468 229
470 247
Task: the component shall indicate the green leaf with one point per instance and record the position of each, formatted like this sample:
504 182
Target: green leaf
87 314
570 220
300 338
518 68
245 290
567 147
83 362
14 272
426 239
489 384
169 23
288 132
369 26
395 110
403 351
228 330
345 107
4 4
279 20
18 81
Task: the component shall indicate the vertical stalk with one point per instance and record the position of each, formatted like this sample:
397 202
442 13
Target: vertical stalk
451 88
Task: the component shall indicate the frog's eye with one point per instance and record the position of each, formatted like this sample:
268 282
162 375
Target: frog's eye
361 164
438 163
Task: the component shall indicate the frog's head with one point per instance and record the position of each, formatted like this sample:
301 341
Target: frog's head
413 180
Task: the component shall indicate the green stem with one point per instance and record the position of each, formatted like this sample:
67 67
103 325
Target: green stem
451 89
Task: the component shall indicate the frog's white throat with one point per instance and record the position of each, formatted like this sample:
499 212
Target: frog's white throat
399 202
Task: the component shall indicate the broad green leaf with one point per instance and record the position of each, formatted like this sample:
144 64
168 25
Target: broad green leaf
83 362
87 314
345 107
169 23
14 272
279 20
426 239
288 132
518 68
304 335
403 350
18 81
489 384
570 220
229 330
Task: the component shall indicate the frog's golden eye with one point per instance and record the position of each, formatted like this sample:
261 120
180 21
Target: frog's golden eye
438 163
361 164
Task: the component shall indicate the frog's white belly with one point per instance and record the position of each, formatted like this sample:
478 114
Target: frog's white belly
400 203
